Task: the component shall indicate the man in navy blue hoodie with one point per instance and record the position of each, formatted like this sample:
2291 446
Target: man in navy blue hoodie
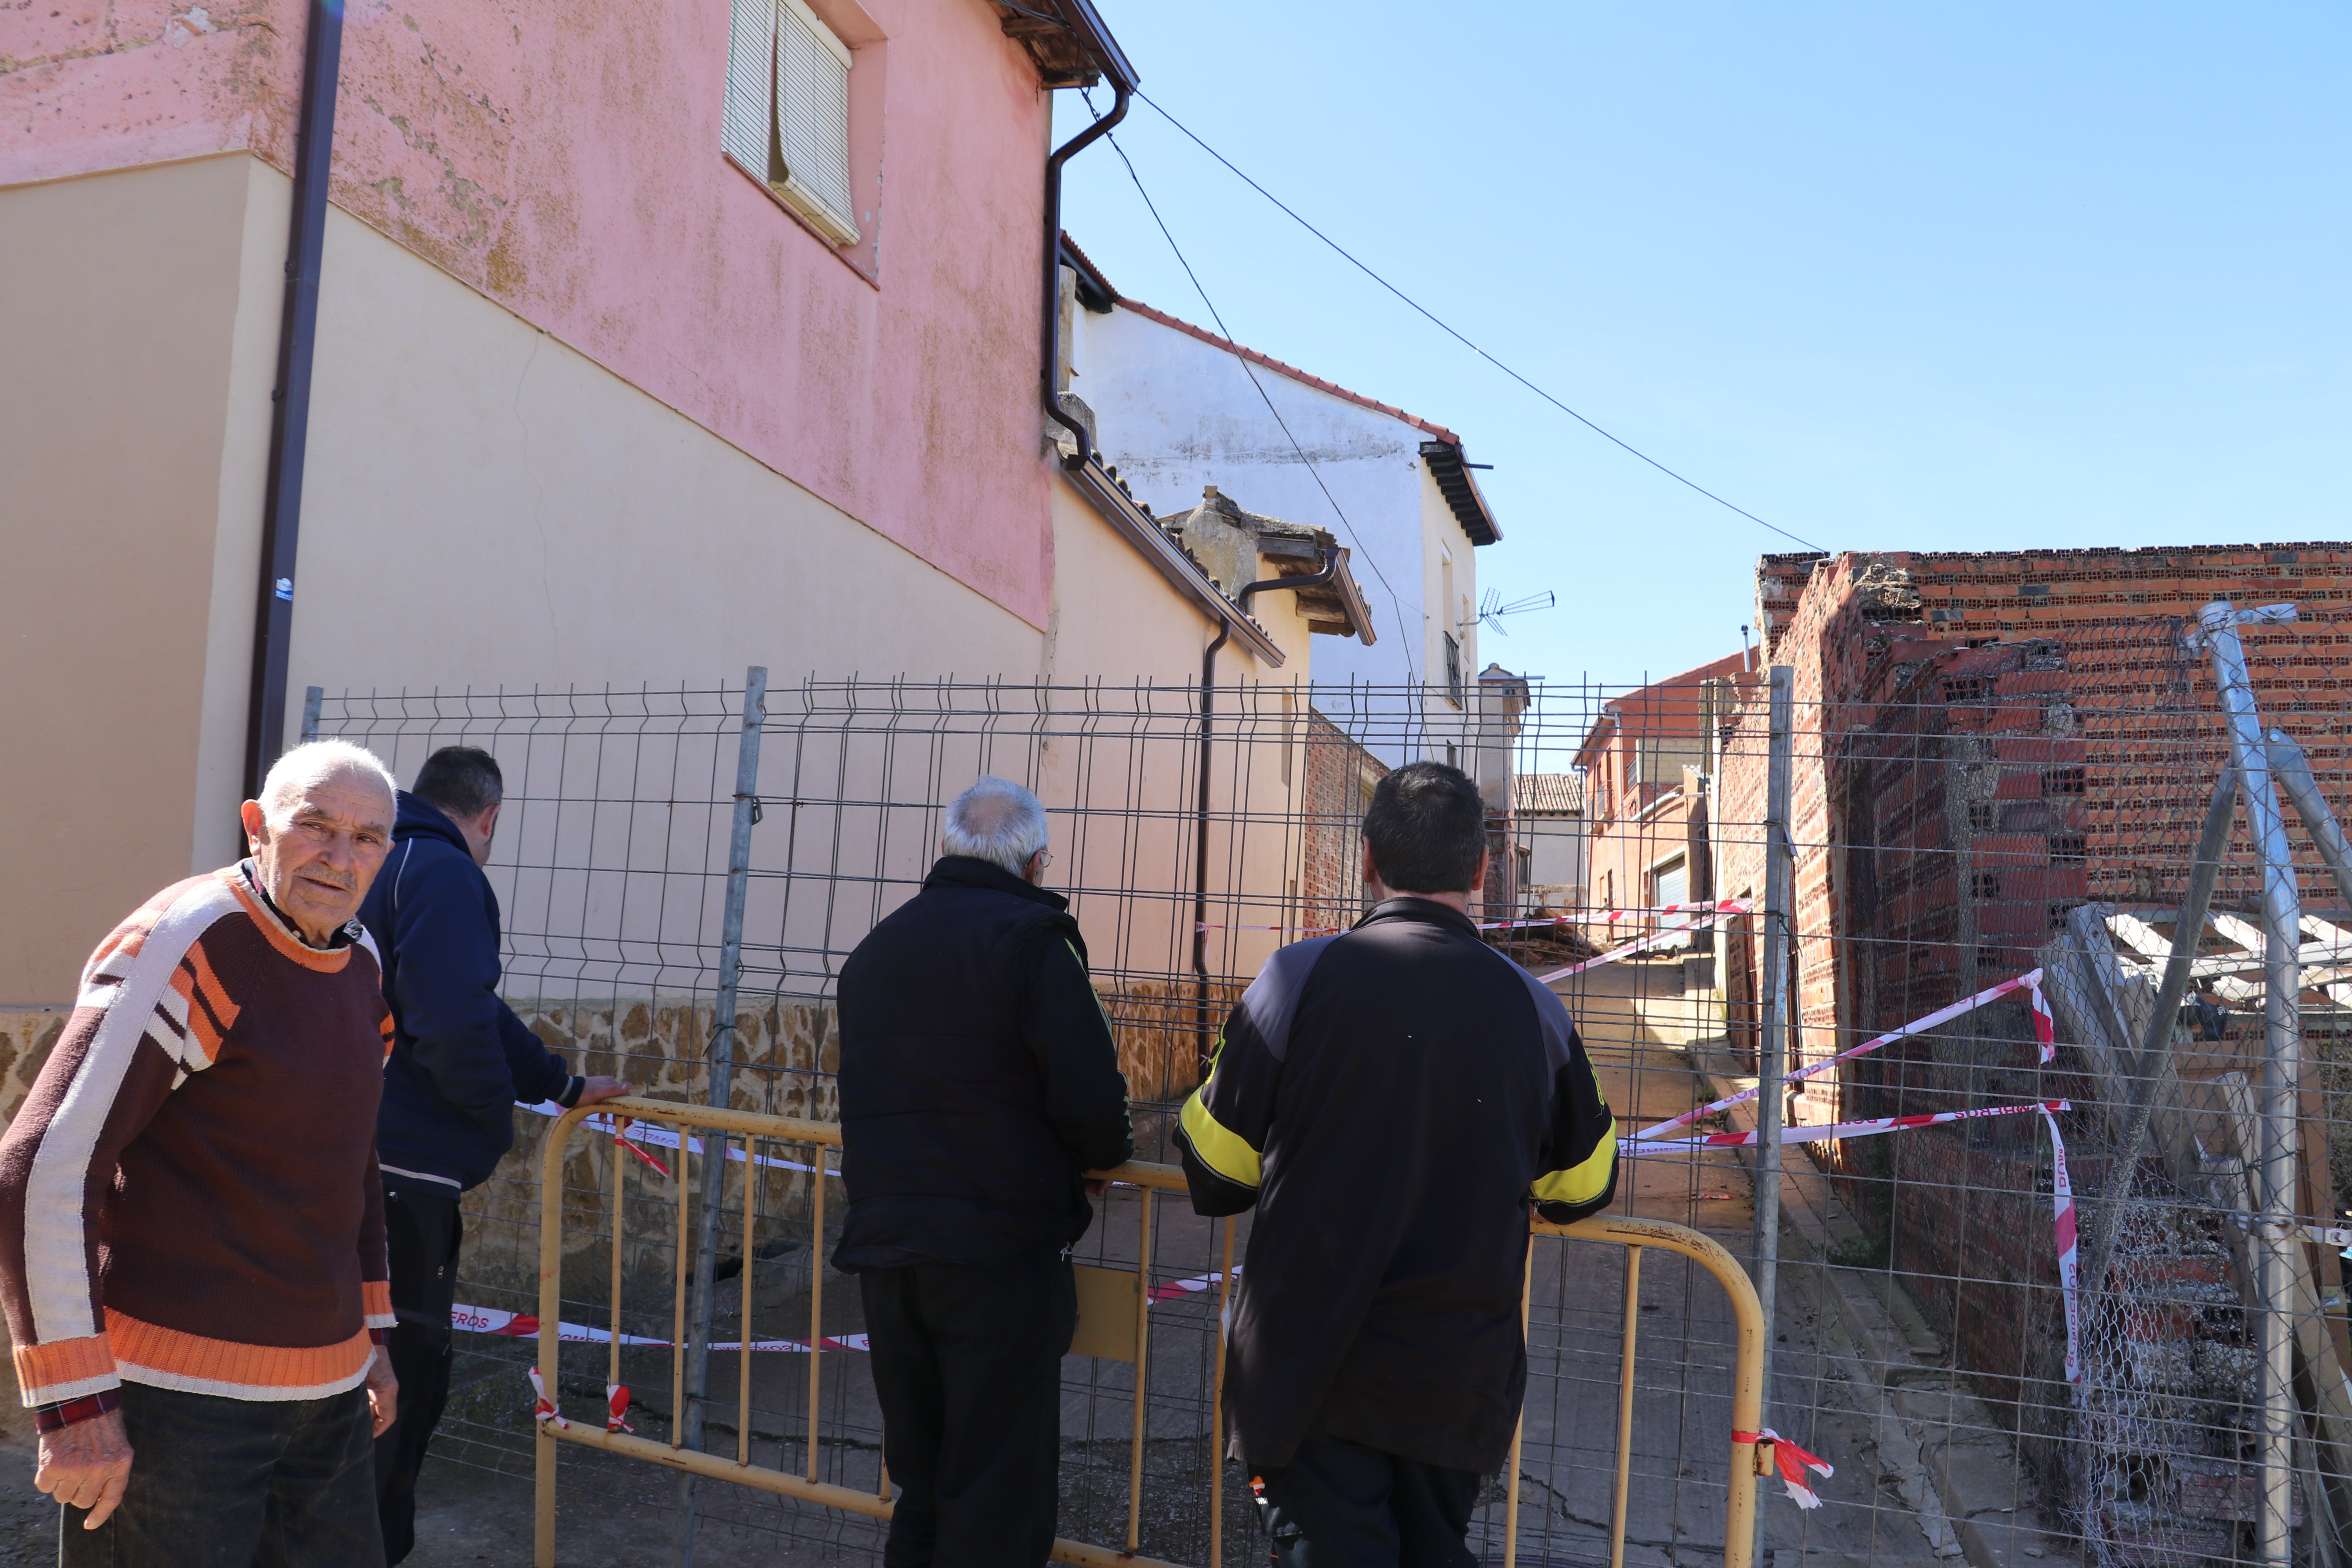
460 1060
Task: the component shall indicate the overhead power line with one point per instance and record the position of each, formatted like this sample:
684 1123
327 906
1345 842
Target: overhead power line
1443 326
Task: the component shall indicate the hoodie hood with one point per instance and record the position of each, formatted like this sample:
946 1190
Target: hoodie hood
415 817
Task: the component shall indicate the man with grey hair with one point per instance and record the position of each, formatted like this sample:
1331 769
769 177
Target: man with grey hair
979 1083
192 1243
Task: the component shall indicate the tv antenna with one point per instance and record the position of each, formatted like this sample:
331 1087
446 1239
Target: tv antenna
1491 609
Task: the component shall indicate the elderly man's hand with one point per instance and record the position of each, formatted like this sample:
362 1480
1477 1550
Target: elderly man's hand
87 1465
383 1390
602 1088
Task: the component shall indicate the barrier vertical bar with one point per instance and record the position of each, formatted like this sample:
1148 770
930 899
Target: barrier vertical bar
2282 1070
678 1299
722 1082
1217 1409
743 1324
620 1168
1519 1431
1142 1359
1771 1042
816 1301
1625 1407
312 697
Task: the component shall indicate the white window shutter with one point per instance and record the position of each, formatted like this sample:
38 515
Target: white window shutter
813 119
751 45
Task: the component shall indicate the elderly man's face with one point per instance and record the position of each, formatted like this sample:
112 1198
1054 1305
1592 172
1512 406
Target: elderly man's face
317 853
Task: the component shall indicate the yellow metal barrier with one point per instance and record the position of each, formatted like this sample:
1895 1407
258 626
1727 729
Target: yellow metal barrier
1634 1235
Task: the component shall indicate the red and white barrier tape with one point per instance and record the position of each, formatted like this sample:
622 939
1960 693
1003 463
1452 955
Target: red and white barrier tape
1717 906
2061 1204
630 1132
544 1408
1637 1148
502 1324
1793 1463
2045 1033
1721 907
1655 938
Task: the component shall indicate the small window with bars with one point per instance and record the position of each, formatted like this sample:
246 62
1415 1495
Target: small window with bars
1969 689
2062 781
2067 849
1980 817
787 115
1987 884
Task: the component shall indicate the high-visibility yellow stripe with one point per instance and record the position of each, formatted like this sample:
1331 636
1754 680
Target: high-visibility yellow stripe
1579 1183
1218 1146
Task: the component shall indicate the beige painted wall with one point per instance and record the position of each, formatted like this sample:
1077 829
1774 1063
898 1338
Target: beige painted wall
120 301
484 506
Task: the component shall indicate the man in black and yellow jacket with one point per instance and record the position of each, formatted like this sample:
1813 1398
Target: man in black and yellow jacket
1390 1101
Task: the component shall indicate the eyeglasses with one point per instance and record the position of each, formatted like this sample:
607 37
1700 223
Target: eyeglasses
1045 858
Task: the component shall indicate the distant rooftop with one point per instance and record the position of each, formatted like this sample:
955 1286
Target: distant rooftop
1547 794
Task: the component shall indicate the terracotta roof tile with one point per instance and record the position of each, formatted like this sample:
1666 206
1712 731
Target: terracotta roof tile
1561 794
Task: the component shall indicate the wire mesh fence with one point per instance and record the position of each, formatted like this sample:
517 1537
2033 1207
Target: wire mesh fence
1960 815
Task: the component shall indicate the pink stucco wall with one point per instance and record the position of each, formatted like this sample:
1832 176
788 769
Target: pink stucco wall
565 160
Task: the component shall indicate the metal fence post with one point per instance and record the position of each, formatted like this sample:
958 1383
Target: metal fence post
312 697
2282 1070
1772 1037
722 1082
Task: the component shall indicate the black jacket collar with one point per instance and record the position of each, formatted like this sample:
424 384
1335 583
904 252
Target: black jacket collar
1406 907
965 871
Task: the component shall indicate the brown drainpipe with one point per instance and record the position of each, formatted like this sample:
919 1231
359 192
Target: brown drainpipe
289 415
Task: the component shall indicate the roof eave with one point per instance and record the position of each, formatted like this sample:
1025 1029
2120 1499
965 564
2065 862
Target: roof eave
1069 42
1455 482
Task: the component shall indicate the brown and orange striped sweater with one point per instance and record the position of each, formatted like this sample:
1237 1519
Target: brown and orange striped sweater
189 1196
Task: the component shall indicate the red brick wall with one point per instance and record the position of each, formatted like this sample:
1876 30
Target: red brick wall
1336 788
1982 742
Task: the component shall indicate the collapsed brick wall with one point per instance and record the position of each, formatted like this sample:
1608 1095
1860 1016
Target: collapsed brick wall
1981 742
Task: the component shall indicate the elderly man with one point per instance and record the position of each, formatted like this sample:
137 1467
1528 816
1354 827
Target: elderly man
460 1060
192 1244
978 1082
1392 1100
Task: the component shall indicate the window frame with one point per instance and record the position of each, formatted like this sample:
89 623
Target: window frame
801 197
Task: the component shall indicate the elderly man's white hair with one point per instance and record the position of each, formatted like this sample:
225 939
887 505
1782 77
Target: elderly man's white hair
997 821
313 760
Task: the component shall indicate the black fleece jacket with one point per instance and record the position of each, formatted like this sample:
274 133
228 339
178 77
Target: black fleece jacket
978 1077
1391 1101
460 1058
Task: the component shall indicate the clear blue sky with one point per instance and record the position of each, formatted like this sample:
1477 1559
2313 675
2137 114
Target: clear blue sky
1913 276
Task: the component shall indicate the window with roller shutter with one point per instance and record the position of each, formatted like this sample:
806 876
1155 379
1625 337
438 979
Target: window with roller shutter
787 114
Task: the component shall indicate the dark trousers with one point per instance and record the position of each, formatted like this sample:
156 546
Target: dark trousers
422 1230
968 1366
1341 1505
236 1483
